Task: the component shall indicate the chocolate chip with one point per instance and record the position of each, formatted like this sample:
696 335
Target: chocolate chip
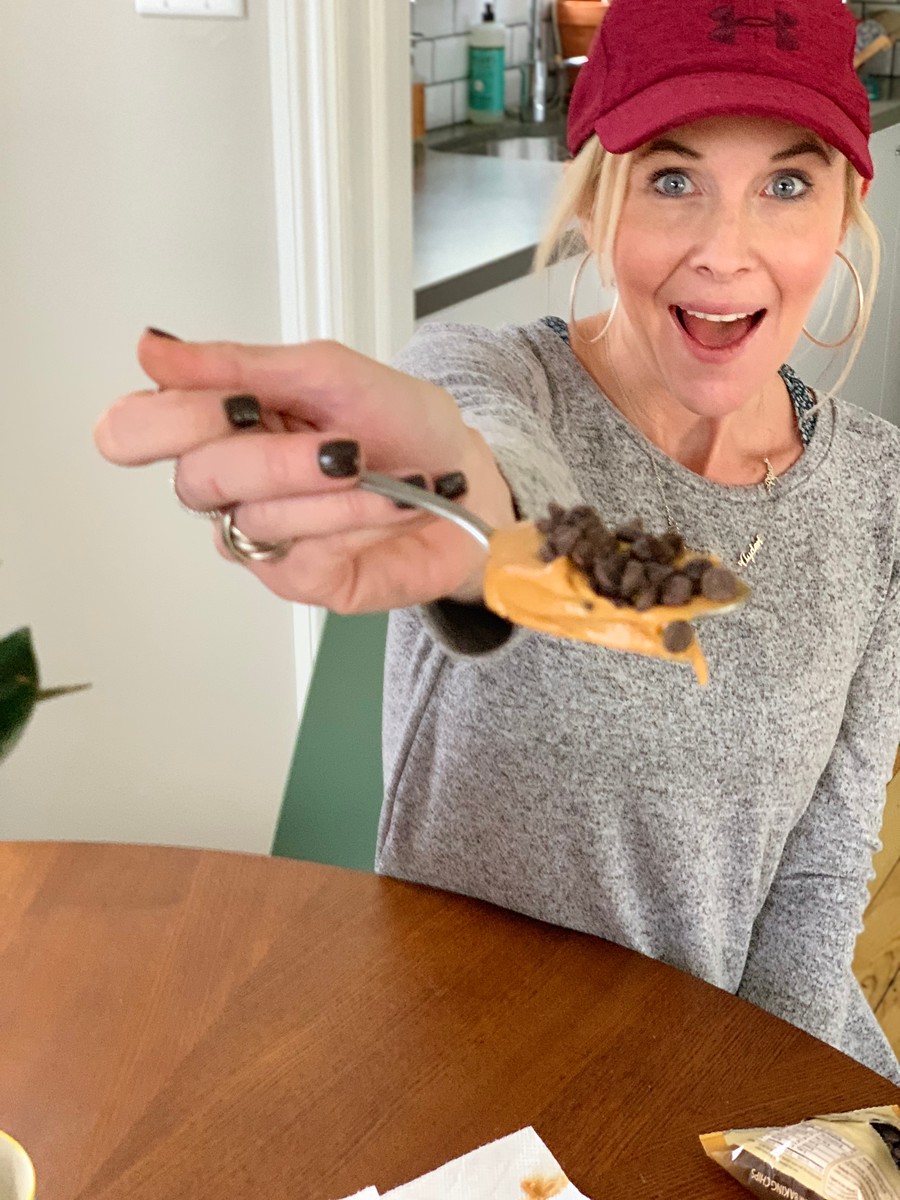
718 584
565 539
607 575
676 590
657 572
677 637
695 567
631 531
634 578
629 566
645 598
673 544
582 554
645 548
581 514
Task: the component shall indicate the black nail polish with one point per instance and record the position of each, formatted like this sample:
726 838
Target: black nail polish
243 412
451 486
339 460
418 481
162 333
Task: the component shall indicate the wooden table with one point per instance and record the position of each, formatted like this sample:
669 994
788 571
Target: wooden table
178 1023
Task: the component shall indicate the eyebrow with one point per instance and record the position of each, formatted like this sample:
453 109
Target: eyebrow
805 147
667 145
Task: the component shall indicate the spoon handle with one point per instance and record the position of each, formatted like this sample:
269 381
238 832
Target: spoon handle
407 493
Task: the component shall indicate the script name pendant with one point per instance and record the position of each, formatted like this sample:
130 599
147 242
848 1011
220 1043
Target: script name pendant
751 552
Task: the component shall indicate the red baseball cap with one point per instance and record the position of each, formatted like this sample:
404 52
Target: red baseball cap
655 64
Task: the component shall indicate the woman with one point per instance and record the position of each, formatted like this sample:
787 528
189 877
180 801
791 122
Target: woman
720 157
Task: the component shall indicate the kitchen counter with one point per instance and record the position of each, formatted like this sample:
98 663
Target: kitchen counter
477 220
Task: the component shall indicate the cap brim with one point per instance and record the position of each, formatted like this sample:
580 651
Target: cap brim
678 101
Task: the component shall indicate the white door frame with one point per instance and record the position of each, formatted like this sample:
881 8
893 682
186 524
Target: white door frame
341 128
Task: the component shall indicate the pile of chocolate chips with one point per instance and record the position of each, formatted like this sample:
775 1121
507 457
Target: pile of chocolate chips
630 566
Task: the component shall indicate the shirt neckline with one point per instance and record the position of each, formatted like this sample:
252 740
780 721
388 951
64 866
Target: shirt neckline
795 476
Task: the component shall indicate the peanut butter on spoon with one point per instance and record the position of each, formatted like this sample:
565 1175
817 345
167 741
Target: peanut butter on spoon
557 598
531 580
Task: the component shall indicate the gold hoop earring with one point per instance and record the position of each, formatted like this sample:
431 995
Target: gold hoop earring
572 290
860 301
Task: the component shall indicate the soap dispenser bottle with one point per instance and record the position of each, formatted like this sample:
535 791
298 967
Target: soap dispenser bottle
487 78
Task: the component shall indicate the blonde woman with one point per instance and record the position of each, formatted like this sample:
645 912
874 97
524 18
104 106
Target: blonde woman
720 165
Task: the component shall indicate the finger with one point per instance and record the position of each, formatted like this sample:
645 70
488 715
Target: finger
146 426
268 466
323 383
274 371
369 570
323 516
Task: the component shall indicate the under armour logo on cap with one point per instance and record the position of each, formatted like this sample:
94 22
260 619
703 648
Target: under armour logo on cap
729 25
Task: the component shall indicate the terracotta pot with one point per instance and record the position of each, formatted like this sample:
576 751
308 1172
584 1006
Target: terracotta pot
578 21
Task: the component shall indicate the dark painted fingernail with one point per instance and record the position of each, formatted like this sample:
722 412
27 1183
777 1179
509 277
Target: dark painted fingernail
451 486
162 333
418 481
339 460
243 412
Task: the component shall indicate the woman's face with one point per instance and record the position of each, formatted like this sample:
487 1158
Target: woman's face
724 217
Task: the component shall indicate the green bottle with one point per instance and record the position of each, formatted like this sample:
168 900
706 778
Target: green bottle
487 63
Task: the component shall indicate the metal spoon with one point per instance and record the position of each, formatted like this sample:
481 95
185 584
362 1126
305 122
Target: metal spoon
408 493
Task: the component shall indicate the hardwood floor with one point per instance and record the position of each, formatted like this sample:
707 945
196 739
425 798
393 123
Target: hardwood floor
877 962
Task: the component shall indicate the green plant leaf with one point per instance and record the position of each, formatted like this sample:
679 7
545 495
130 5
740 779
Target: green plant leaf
20 687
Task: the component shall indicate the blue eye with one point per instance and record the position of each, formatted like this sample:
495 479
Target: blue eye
789 187
672 183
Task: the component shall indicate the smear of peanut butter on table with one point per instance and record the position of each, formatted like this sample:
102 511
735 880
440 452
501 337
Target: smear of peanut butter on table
543 1187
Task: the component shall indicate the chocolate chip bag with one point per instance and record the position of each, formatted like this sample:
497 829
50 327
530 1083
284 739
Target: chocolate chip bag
843 1156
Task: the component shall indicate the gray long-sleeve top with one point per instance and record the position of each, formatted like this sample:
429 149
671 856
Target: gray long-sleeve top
729 830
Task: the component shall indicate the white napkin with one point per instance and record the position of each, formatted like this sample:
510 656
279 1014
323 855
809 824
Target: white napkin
368 1193
496 1171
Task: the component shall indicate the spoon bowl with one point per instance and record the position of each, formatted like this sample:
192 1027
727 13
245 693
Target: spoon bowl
556 597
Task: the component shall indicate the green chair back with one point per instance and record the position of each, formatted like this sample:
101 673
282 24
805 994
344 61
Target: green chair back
334 790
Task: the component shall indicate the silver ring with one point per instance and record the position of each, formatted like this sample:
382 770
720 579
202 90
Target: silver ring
211 514
243 549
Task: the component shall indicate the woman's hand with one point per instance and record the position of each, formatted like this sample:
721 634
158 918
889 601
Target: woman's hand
353 551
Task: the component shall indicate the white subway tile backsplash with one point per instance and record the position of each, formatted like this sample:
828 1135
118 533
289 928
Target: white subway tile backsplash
511 12
451 58
423 60
442 56
433 18
513 92
461 101
468 13
438 105
519 44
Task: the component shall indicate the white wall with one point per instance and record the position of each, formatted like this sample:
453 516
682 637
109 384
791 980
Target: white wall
136 187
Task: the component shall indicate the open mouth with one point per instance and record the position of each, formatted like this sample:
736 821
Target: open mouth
717 331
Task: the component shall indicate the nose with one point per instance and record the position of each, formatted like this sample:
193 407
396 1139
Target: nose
725 245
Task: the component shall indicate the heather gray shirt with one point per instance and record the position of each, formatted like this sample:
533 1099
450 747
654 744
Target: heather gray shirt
729 830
